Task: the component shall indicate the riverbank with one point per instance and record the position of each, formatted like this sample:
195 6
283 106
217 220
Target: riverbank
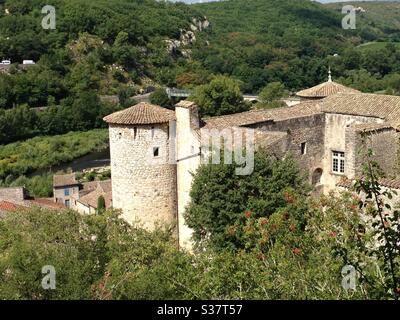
33 161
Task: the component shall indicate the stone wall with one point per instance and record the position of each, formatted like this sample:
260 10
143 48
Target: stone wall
336 129
17 194
385 146
309 130
143 185
60 197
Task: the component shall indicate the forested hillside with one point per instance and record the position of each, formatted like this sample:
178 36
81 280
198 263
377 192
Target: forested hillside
120 47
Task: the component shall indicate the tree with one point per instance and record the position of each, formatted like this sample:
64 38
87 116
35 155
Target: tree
272 93
160 97
69 248
101 204
220 199
221 96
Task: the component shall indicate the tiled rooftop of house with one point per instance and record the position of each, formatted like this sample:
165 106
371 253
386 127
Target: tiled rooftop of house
384 182
142 113
7 206
364 104
64 180
303 109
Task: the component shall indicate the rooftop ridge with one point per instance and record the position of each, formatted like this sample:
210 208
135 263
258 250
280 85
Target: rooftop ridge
141 113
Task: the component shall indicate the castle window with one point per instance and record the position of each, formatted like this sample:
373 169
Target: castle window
338 162
66 192
192 149
134 132
152 132
156 151
303 148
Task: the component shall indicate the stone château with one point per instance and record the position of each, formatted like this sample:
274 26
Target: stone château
323 133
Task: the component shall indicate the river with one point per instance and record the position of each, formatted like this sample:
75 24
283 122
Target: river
91 160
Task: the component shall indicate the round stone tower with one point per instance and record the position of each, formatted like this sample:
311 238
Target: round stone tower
143 175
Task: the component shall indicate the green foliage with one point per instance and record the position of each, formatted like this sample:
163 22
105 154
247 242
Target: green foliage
70 247
160 97
38 186
220 199
21 158
382 225
271 94
221 96
101 204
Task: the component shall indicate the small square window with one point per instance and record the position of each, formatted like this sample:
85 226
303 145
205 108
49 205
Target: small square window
66 192
303 148
156 151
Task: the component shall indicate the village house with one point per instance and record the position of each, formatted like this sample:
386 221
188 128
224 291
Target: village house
81 197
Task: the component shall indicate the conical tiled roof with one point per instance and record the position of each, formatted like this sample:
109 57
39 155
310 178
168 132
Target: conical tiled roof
142 113
325 89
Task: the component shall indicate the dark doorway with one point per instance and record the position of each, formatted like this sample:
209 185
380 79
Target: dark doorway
316 176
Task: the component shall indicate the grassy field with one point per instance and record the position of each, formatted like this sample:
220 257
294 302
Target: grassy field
375 45
21 158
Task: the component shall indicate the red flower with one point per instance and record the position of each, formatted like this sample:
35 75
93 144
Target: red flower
296 251
289 197
261 257
386 224
263 221
333 234
247 214
353 207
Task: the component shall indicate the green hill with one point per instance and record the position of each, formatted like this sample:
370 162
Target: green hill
378 17
119 47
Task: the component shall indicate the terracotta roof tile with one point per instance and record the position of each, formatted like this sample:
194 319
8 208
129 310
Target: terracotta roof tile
46 203
142 113
91 198
324 90
64 180
364 104
303 109
384 182
372 126
8 206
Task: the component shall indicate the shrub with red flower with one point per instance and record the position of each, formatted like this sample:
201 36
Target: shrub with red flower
289 197
263 221
247 214
296 251
333 234
261 257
